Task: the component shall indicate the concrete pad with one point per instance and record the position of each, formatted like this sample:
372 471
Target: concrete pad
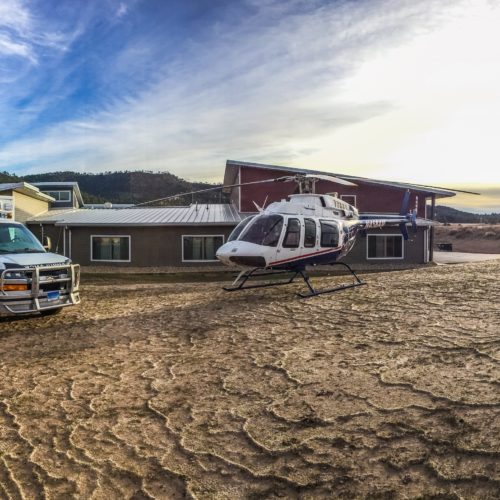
462 257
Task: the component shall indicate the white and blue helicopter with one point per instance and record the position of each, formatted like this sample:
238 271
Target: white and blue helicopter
306 229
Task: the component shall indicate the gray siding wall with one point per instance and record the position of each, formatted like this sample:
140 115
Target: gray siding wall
162 246
413 249
150 246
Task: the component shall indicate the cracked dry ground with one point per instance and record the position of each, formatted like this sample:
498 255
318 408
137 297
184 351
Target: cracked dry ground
169 391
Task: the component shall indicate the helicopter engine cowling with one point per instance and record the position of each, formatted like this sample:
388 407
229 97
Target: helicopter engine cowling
242 254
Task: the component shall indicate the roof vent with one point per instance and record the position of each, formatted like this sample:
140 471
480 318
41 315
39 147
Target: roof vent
108 204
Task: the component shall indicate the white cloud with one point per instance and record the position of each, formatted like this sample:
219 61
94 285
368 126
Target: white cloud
122 10
15 24
14 15
390 89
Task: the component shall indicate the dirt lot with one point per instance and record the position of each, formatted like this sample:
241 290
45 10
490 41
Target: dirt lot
474 238
390 390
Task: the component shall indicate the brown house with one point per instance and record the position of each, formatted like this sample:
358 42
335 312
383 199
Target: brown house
139 237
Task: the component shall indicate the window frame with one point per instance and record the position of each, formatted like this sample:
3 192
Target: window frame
332 223
111 236
315 232
286 233
50 192
199 236
355 204
368 236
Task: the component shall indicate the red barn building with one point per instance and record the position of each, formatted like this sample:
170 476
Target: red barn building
369 195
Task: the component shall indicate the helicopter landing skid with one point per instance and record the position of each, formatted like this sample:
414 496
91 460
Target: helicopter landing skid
344 286
244 276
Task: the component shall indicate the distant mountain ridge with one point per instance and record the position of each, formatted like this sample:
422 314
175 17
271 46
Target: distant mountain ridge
141 186
452 215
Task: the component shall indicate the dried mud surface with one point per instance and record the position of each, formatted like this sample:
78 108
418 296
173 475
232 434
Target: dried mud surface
390 390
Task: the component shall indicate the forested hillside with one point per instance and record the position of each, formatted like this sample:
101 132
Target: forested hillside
451 215
131 187
6 177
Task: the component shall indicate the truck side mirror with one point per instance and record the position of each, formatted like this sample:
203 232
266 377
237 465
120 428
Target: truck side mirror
47 243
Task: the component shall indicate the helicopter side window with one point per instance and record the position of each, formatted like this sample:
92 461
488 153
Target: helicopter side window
239 228
264 230
292 236
329 234
310 233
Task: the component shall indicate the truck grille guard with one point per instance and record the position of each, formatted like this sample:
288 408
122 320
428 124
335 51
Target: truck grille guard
40 281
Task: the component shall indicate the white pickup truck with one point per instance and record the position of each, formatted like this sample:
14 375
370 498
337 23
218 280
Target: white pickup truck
33 280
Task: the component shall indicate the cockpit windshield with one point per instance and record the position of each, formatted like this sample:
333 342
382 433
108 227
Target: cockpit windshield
264 230
15 238
239 228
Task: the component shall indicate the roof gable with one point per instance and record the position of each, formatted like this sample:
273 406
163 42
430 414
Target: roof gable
26 189
232 167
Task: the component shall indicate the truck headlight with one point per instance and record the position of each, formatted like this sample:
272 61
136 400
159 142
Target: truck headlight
14 275
15 288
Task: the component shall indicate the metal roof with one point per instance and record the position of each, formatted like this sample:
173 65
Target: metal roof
26 189
430 190
70 184
199 214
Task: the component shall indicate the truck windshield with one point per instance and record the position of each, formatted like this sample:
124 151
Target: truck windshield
264 230
15 238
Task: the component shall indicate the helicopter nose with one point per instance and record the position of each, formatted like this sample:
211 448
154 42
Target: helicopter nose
241 254
224 252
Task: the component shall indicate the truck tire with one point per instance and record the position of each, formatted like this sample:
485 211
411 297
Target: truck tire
51 312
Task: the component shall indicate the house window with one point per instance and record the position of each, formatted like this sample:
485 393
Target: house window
329 234
310 233
201 248
60 196
110 248
349 198
292 236
385 246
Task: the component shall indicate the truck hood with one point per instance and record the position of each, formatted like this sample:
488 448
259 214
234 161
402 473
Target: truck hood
32 259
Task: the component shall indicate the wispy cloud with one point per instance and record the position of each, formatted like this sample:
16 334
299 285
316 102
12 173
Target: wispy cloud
271 81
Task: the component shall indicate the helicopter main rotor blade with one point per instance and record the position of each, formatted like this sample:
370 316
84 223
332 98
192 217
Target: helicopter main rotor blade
330 178
174 196
286 178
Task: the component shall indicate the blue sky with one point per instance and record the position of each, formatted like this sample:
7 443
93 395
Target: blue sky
391 89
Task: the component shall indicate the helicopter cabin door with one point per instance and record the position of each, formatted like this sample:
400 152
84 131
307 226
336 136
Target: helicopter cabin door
310 243
289 250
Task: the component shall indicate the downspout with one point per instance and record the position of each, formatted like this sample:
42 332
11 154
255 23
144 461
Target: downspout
64 240
431 234
239 189
69 243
